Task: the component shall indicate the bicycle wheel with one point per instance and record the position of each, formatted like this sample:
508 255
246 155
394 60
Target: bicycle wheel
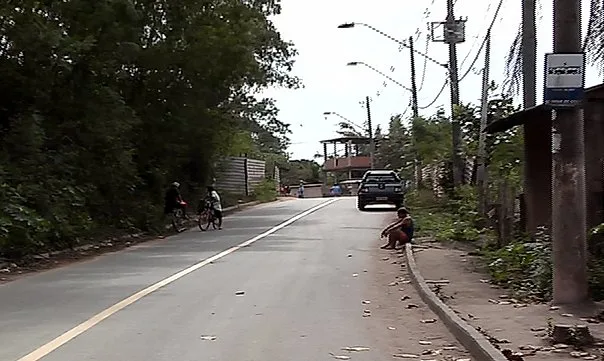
215 222
178 219
204 220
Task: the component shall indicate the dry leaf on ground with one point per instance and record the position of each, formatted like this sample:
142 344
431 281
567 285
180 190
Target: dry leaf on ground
339 357
355 348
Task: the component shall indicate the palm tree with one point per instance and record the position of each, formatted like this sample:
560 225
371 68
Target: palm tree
594 39
593 44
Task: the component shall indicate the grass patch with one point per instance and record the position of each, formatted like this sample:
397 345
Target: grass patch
445 219
265 191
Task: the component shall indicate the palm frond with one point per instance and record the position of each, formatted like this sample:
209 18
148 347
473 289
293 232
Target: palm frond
593 43
513 66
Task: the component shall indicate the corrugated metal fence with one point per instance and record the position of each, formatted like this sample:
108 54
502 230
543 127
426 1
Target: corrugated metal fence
239 175
277 178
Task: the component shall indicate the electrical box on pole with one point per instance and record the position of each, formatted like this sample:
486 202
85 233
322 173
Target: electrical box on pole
449 33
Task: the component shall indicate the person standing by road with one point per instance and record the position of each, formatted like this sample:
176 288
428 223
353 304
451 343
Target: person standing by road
400 232
301 189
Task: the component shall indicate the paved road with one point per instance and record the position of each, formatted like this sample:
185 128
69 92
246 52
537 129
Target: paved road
301 294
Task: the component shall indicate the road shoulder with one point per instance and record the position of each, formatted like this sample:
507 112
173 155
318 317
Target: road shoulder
402 323
459 280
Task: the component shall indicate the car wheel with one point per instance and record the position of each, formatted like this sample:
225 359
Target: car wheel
360 205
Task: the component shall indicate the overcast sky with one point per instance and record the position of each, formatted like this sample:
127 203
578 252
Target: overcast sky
330 85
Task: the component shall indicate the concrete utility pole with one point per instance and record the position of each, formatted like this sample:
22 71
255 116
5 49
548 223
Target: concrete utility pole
529 93
481 174
568 166
452 40
371 140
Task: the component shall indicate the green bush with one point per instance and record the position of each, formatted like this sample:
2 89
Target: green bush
445 219
524 267
265 191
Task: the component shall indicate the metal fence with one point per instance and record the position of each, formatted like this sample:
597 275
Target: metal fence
239 175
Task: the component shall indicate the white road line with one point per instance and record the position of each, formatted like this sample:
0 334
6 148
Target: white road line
88 324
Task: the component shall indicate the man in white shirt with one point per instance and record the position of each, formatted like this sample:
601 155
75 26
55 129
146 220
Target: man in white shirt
214 199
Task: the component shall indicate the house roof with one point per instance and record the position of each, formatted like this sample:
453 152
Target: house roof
592 93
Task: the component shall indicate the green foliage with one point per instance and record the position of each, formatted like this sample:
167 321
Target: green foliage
265 191
524 267
108 101
446 219
295 170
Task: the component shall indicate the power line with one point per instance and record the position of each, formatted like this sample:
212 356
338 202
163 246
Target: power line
437 96
421 85
418 34
483 42
475 40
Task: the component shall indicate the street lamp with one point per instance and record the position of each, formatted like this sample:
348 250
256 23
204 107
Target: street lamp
401 43
355 63
369 130
346 120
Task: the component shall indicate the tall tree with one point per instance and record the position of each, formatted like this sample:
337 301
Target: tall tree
107 101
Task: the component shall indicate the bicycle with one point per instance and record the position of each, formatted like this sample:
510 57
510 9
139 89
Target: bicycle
179 217
207 218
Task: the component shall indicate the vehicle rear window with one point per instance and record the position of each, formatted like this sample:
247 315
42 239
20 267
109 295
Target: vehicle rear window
381 179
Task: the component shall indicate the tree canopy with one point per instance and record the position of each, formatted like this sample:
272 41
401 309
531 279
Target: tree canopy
106 101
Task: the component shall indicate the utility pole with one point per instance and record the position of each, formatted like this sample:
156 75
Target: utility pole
481 174
371 140
414 105
452 40
416 161
568 168
453 34
529 95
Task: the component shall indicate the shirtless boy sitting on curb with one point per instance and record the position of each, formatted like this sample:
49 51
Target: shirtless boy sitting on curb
400 232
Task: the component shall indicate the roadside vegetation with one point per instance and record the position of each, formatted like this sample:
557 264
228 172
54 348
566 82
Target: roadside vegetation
105 103
513 260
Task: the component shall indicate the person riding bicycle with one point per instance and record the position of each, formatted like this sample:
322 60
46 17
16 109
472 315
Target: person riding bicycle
173 199
213 199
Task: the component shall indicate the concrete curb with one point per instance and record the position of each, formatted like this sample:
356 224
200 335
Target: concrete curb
478 346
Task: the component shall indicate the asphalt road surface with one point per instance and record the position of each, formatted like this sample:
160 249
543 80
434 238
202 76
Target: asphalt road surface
283 281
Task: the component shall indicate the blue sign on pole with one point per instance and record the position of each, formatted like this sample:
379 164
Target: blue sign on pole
564 83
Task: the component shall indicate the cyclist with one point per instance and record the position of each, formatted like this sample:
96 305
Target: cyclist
173 200
213 199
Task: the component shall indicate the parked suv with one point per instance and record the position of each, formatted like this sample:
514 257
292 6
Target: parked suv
380 187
